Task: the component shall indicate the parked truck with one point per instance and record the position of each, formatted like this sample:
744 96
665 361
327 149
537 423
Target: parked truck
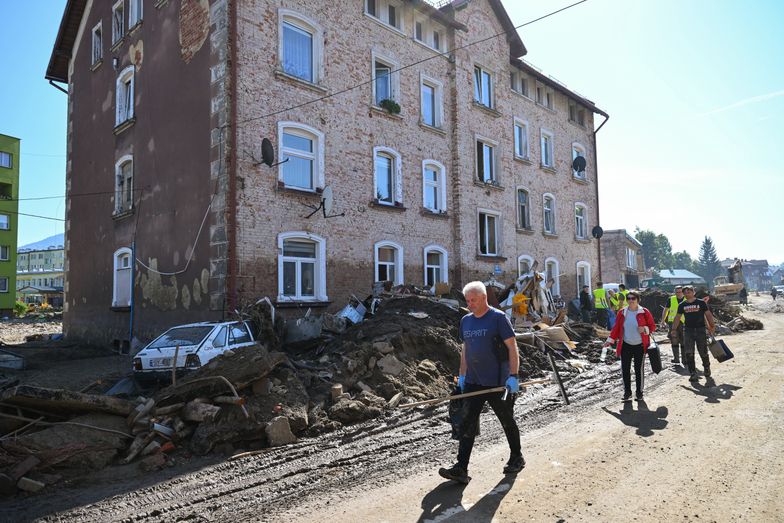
731 287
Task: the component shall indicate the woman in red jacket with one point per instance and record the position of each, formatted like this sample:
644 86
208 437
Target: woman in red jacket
631 334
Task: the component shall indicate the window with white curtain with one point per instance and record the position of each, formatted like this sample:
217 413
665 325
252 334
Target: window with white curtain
434 186
580 226
118 22
388 186
301 267
549 213
583 275
124 96
97 55
552 272
121 288
123 200
298 150
485 161
547 149
297 51
134 12
521 138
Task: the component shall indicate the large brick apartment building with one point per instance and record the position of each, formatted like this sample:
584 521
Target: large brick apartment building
168 102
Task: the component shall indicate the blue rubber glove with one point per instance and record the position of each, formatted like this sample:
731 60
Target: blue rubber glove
512 385
461 383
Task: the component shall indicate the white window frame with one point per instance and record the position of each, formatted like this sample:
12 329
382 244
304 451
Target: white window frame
116 257
581 233
119 196
521 225
547 147
5 256
478 86
438 101
631 258
519 123
320 267
524 258
497 222
444 266
394 77
316 32
6 160
493 162
382 13
125 90
583 265
118 31
3 283
317 155
554 230
397 174
556 289
135 12
578 148
7 223
398 263
429 29
97 49
516 81
439 185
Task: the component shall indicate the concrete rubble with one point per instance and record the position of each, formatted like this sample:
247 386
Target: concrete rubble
307 376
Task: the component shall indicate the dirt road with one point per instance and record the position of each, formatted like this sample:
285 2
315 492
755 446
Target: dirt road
687 454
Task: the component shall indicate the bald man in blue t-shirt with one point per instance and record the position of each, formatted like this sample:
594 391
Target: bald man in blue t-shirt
486 332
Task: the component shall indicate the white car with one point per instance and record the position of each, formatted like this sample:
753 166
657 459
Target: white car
198 343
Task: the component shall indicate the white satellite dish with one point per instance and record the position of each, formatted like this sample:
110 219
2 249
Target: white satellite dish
326 197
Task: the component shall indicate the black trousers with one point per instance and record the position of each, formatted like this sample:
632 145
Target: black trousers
629 352
695 336
603 318
504 411
676 339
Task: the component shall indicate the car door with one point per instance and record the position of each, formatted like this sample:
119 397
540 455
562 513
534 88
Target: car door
214 346
239 336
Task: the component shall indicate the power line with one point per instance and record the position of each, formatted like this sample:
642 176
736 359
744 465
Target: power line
33 215
445 53
67 195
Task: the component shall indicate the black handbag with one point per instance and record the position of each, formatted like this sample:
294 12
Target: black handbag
654 356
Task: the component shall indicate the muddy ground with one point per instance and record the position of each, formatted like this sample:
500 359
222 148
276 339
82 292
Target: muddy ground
689 453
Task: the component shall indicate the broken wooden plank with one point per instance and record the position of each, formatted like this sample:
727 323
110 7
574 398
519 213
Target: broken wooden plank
60 400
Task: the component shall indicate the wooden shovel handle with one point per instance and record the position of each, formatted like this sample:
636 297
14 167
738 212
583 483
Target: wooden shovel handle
469 394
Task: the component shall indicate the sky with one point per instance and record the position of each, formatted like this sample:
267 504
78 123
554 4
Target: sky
694 89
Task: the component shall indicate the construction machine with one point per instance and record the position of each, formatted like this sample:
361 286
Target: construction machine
731 287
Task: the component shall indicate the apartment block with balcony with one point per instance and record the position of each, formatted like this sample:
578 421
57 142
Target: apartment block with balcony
9 220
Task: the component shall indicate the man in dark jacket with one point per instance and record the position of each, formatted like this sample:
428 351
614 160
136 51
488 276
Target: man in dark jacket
586 306
486 332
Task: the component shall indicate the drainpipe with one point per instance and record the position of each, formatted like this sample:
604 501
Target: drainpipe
596 171
133 271
232 264
51 82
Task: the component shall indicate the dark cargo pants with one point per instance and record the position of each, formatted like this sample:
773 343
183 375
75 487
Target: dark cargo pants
676 340
695 336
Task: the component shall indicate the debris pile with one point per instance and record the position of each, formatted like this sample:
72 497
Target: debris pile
728 315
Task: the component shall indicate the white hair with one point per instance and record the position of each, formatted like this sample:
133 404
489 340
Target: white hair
475 286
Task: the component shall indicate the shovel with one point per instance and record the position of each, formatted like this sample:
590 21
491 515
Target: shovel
469 394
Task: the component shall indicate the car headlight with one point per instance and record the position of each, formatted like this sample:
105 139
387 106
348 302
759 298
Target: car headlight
137 364
192 361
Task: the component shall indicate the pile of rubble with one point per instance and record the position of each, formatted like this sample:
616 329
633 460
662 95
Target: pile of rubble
309 376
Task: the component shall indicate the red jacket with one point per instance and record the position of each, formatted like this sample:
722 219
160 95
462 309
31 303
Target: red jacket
643 320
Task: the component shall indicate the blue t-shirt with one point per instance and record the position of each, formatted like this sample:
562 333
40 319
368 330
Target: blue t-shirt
479 336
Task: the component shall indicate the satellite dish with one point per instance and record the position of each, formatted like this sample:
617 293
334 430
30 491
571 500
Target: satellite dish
579 164
326 197
267 152
597 232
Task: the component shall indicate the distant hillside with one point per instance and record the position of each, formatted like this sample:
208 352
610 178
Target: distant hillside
58 240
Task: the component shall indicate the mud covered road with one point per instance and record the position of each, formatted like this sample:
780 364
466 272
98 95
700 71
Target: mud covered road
704 453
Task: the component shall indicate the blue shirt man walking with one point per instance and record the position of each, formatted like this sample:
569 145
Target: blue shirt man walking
489 359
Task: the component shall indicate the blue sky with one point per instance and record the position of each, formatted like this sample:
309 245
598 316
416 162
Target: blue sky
694 89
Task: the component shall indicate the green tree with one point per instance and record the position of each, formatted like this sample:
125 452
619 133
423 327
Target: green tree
656 249
682 260
708 263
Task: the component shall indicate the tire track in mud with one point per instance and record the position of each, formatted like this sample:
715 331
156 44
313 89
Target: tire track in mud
265 486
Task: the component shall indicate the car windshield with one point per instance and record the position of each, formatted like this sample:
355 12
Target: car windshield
181 336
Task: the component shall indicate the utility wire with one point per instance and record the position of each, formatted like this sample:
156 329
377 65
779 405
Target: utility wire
32 215
445 53
67 195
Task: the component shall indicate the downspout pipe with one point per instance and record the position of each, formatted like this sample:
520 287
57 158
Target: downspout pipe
596 170
232 264
51 82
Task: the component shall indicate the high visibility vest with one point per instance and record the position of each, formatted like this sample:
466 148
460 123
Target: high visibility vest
672 310
600 298
622 298
614 302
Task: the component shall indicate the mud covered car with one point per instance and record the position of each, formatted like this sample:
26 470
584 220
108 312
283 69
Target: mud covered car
198 343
